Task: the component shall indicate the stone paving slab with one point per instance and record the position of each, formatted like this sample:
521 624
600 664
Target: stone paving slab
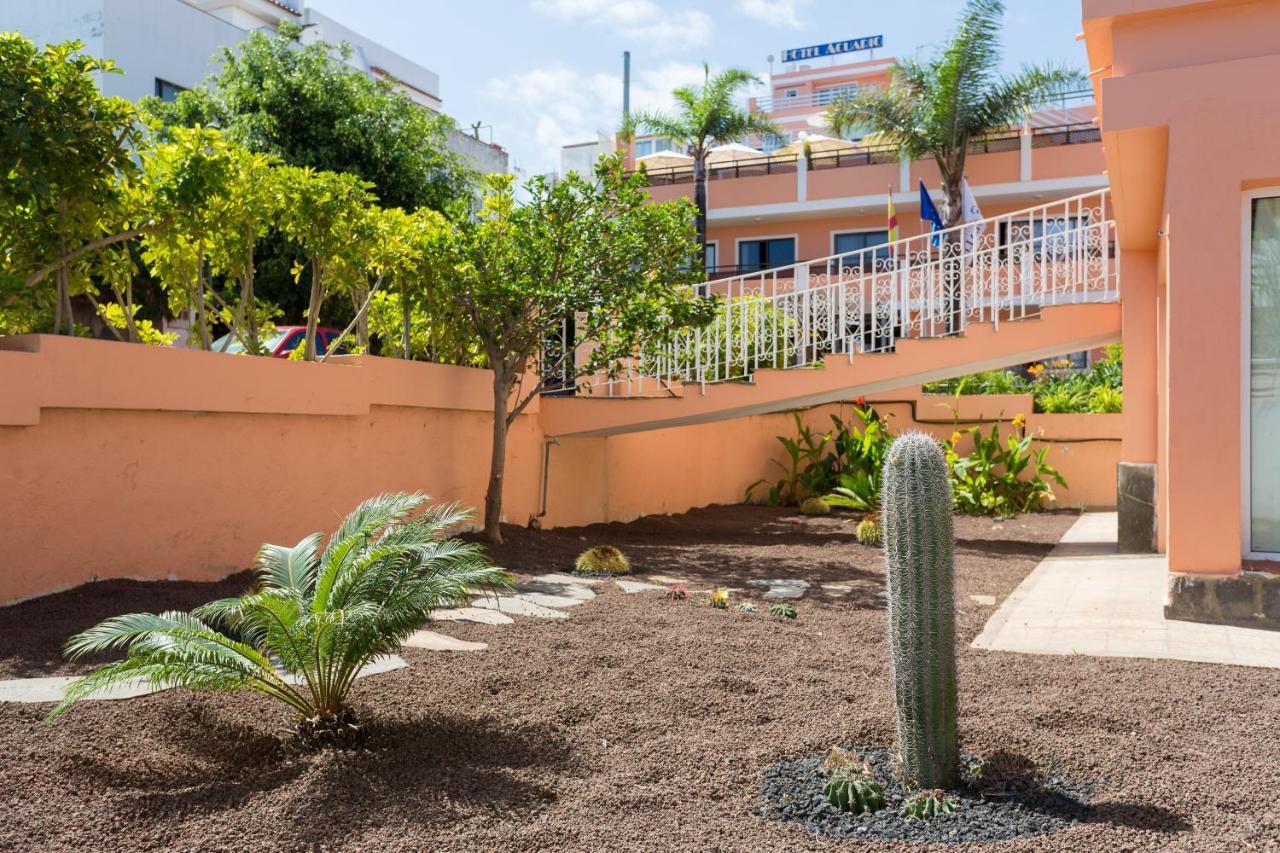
51 688
551 600
432 641
514 604
1084 598
783 588
556 577
637 586
471 614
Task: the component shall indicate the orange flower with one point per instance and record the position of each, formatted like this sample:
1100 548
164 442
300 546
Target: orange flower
955 439
1020 422
1035 370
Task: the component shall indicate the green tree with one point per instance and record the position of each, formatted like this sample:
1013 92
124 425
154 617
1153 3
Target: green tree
706 116
325 216
593 251
68 159
935 108
316 618
308 107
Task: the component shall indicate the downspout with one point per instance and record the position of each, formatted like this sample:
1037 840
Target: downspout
535 522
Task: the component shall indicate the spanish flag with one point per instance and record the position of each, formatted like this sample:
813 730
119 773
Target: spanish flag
893 219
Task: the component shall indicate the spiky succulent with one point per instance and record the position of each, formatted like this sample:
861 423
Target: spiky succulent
854 793
314 619
602 560
868 531
748 607
675 592
927 804
815 506
783 610
719 599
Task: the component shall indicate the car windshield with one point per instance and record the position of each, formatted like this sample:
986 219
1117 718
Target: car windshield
268 344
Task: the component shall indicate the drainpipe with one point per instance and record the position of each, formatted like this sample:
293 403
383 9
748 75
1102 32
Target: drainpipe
535 522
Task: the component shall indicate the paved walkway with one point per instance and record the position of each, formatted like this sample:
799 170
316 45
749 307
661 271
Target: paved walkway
1086 599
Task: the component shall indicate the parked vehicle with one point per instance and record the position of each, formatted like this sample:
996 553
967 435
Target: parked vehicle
284 341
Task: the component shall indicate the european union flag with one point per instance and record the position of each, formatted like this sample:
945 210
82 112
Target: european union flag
929 213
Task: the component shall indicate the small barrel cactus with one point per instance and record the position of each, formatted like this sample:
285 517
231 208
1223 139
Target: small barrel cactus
855 794
868 531
918 546
603 560
720 599
815 506
783 611
926 804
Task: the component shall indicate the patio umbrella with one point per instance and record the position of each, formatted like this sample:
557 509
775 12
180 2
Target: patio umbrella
665 160
818 144
731 152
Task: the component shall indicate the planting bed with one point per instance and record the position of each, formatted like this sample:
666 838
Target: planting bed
637 723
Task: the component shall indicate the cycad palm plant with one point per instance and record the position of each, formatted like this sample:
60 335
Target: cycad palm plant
937 107
315 618
706 116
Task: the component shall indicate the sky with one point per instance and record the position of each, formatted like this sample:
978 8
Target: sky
544 73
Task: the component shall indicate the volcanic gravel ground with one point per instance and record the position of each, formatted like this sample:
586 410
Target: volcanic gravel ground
638 723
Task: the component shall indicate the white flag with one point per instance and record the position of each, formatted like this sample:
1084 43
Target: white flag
970 213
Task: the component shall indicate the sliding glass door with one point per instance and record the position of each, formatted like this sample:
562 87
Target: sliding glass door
1262 536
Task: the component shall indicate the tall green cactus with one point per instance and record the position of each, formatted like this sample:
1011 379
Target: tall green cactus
918 544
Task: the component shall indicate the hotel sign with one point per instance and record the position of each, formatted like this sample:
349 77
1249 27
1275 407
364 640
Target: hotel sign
795 54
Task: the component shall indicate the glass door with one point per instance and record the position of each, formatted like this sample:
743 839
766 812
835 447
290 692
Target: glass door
1262 536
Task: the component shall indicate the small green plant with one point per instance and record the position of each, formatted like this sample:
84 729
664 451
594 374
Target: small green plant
314 619
803 473
1106 400
719 599
815 506
928 804
868 531
783 610
857 460
1001 478
853 793
602 560
748 607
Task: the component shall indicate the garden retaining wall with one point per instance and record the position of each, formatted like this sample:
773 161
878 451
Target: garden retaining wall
131 461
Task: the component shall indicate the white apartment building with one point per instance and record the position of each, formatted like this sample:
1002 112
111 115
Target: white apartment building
165 46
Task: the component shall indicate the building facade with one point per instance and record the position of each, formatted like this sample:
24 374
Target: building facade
166 46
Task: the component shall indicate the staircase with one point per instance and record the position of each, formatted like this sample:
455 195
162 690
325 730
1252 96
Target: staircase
1005 290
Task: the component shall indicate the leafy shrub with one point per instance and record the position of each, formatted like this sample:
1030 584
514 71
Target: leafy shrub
727 352
1106 400
602 560
1000 478
926 804
1054 388
815 506
868 531
783 611
856 465
854 794
719 599
803 472
313 621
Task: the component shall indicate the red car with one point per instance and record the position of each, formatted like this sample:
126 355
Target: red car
284 341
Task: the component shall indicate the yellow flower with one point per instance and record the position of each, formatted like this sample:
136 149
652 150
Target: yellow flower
1035 369
1019 422
955 439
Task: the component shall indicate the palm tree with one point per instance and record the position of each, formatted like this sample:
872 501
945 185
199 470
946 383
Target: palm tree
937 107
314 620
706 116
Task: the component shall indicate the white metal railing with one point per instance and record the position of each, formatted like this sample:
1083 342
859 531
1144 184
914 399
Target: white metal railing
1002 268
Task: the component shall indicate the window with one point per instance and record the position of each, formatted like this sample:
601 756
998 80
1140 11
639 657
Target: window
755 255
167 91
711 258
856 242
645 147
830 94
790 93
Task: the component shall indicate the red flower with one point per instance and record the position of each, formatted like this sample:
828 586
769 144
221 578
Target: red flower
861 401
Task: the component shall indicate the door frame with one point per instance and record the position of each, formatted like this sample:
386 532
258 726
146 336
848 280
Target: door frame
1246 349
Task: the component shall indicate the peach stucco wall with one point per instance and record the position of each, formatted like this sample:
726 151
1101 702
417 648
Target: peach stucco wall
1190 117
129 461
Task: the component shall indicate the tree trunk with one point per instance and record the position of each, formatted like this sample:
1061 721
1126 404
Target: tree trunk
313 311
405 342
63 311
700 202
498 459
248 298
202 311
952 278
362 320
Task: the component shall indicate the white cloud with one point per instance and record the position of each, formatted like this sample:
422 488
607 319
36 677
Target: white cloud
659 28
781 13
546 108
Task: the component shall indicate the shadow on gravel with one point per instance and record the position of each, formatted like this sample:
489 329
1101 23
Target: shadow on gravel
1138 816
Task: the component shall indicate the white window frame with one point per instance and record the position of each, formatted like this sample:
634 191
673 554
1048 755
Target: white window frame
738 241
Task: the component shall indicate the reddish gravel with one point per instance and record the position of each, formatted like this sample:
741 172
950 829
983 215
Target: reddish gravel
637 724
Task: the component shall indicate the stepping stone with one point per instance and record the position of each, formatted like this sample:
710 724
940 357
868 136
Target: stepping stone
665 579
637 586
50 689
565 594
442 643
837 588
519 606
570 579
783 588
984 600
471 614
547 599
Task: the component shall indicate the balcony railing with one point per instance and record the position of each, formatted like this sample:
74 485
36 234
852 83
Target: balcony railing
768 103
